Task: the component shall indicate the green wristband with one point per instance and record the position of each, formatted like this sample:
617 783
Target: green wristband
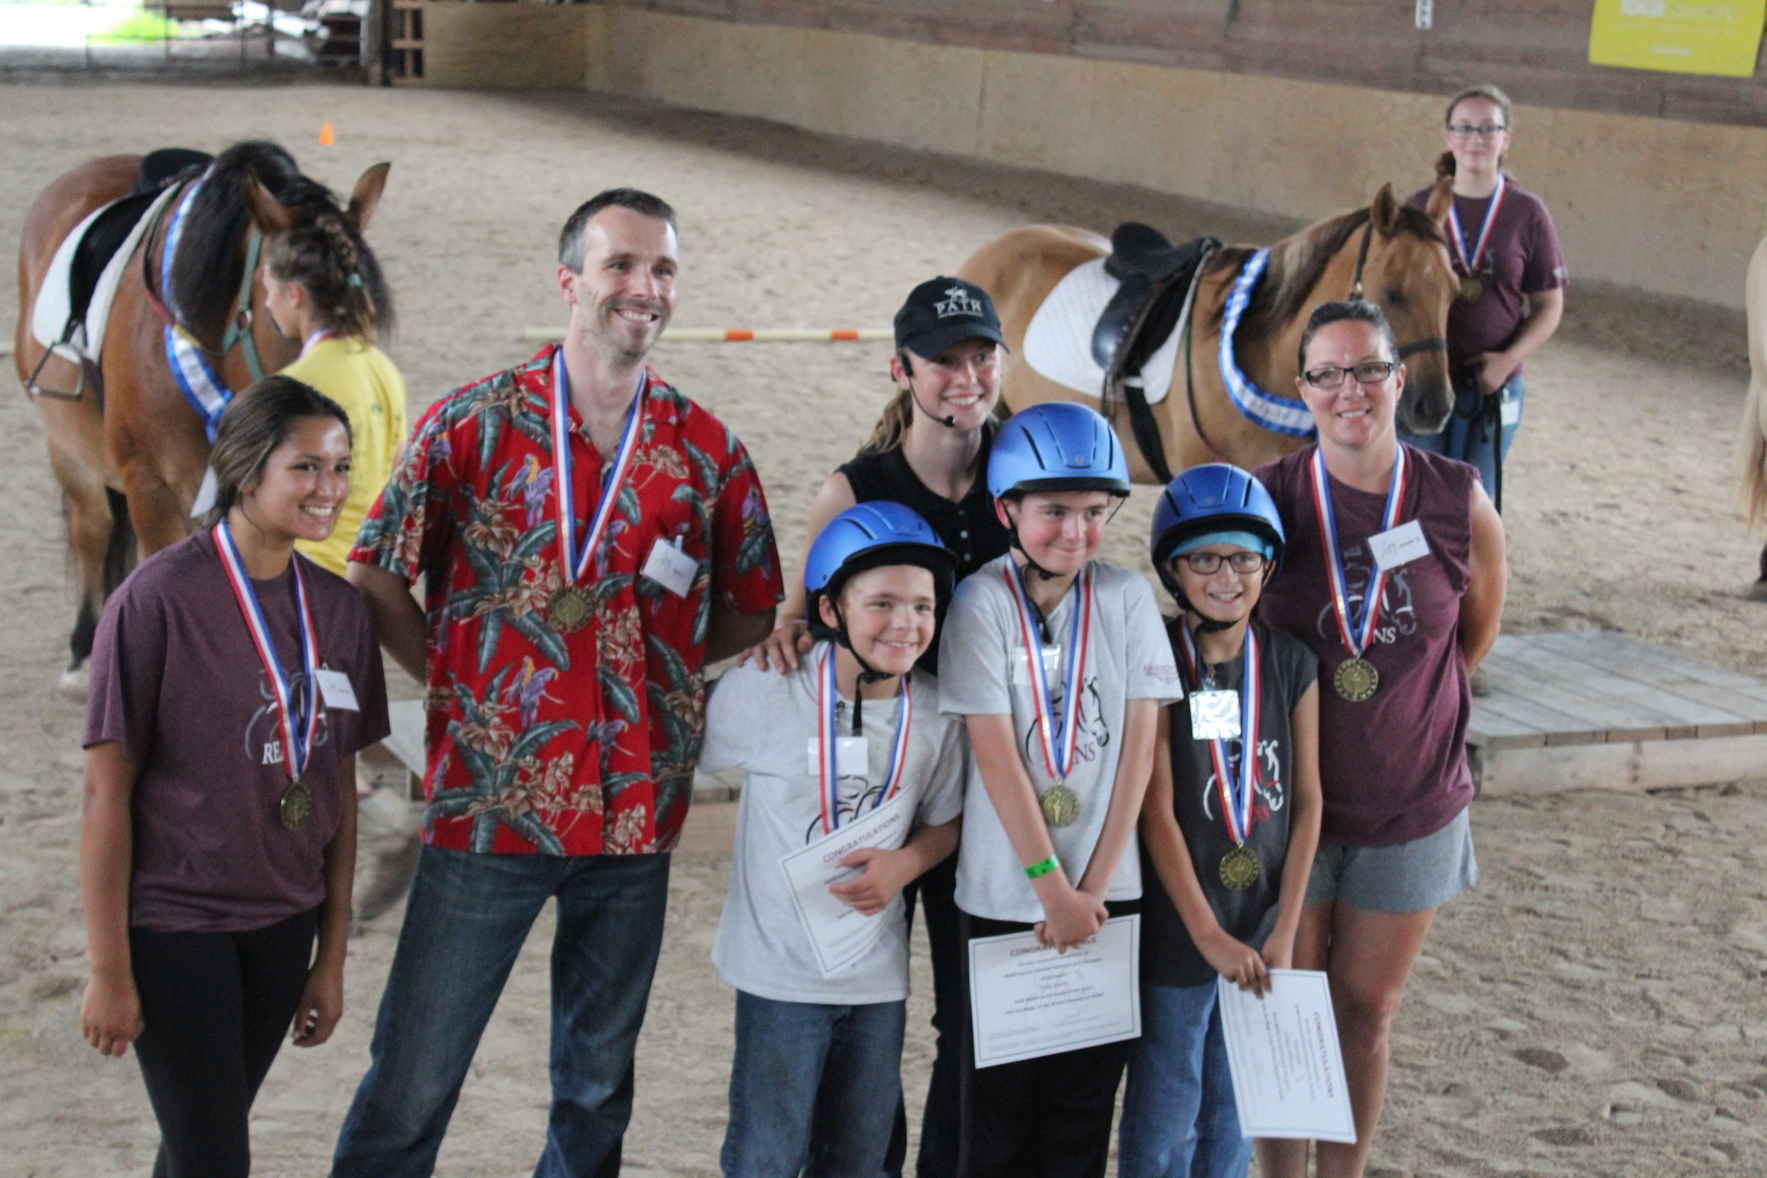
1039 870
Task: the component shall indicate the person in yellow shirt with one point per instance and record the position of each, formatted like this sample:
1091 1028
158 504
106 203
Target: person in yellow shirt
324 288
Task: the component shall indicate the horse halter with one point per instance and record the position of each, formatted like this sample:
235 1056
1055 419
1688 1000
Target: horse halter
1434 343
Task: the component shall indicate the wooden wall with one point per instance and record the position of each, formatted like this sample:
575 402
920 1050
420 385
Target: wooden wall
1668 205
1536 49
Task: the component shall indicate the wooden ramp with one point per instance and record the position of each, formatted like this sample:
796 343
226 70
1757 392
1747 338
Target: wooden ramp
1599 710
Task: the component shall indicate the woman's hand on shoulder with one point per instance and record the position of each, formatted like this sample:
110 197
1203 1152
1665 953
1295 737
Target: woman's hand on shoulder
110 1014
321 1005
781 650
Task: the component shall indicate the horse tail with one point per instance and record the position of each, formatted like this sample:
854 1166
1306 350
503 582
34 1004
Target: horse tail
1754 468
119 550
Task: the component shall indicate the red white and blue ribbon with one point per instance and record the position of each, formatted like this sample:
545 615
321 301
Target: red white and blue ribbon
1059 740
317 338
572 558
1236 797
828 772
1470 265
296 713
1356 630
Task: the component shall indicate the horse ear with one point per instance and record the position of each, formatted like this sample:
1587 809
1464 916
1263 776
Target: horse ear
268 214
1384 211
1441 199
366 196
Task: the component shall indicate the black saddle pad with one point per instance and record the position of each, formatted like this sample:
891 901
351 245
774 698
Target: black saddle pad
107 234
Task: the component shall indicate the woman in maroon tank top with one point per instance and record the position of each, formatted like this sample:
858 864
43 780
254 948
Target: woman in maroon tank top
1395 578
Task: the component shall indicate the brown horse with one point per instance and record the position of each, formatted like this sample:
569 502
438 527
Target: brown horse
126 446
1754 414
1396 253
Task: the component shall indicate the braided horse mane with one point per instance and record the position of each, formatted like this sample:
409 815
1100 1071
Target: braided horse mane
206 271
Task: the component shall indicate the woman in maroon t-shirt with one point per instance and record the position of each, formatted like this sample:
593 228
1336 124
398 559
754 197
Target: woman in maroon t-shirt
1512 274
1370 519
232 685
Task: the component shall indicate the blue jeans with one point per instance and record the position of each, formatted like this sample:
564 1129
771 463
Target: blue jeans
813 1088
466 920
1467 436
1179 1116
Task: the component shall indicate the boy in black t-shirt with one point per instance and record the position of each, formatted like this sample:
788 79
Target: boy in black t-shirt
1229 826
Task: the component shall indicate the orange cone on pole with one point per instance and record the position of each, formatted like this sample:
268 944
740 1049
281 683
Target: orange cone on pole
325 135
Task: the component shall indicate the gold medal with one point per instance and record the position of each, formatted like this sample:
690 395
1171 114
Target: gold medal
1356 680
1472 288
1239 868
570 609
1061 805
296 805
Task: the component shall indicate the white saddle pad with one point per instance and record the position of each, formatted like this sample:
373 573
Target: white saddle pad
1058 343
54 301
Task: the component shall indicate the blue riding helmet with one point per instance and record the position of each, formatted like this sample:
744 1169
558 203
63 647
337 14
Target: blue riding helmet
1214 497
1059 446
868 536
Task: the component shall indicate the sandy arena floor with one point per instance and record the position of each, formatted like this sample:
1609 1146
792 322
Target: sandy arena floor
1594 1008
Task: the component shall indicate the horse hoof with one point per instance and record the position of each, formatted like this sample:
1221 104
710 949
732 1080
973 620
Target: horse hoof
1757 591
73 682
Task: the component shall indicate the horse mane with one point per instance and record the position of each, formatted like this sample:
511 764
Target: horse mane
211 250
1298 262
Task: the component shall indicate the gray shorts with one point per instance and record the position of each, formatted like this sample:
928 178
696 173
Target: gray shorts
1416 876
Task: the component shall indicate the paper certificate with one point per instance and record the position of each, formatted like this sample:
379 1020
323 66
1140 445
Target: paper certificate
1026 1000
839 934
1288 1073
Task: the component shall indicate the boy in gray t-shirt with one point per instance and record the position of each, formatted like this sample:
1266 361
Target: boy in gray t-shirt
1058 664
869 797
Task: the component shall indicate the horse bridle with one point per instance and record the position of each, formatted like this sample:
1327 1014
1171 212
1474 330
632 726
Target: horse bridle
1434 343
239 326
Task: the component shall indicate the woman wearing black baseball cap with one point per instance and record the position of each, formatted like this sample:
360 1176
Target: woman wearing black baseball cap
929 451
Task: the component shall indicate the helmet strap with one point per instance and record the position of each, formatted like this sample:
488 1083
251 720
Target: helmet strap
867 673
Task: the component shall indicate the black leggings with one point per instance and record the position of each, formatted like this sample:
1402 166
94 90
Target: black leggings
216 1007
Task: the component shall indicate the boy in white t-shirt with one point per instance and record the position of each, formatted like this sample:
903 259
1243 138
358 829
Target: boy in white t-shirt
868 797
1058 664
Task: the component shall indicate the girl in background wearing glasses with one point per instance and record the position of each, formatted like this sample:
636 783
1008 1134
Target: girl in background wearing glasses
1512 277
1394 575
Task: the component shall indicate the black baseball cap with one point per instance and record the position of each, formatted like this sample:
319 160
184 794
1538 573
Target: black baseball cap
943 311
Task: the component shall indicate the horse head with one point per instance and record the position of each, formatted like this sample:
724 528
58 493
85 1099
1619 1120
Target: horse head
1409 274
253 191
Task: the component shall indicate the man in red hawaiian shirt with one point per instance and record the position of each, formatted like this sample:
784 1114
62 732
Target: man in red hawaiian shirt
587 538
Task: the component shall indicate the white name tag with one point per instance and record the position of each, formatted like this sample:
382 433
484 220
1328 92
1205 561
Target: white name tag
851 756
336 691
1214 715
1510 411
1399 546
670 567
1021 677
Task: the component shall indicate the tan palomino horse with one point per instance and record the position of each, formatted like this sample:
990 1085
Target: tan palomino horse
1404 267
1754 414
128 450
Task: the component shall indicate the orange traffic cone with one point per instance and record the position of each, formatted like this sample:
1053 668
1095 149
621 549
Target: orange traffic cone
325 136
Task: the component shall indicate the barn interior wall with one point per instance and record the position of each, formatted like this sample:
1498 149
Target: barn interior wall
1669 205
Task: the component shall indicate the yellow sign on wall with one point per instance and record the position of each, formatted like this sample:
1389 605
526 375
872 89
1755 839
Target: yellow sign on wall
1681 36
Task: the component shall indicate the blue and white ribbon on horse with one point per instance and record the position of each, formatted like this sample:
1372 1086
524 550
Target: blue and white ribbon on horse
197 379
1284 415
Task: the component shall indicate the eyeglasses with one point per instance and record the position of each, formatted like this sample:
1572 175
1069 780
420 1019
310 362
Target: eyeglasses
1330 376
1482 130
1205 564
